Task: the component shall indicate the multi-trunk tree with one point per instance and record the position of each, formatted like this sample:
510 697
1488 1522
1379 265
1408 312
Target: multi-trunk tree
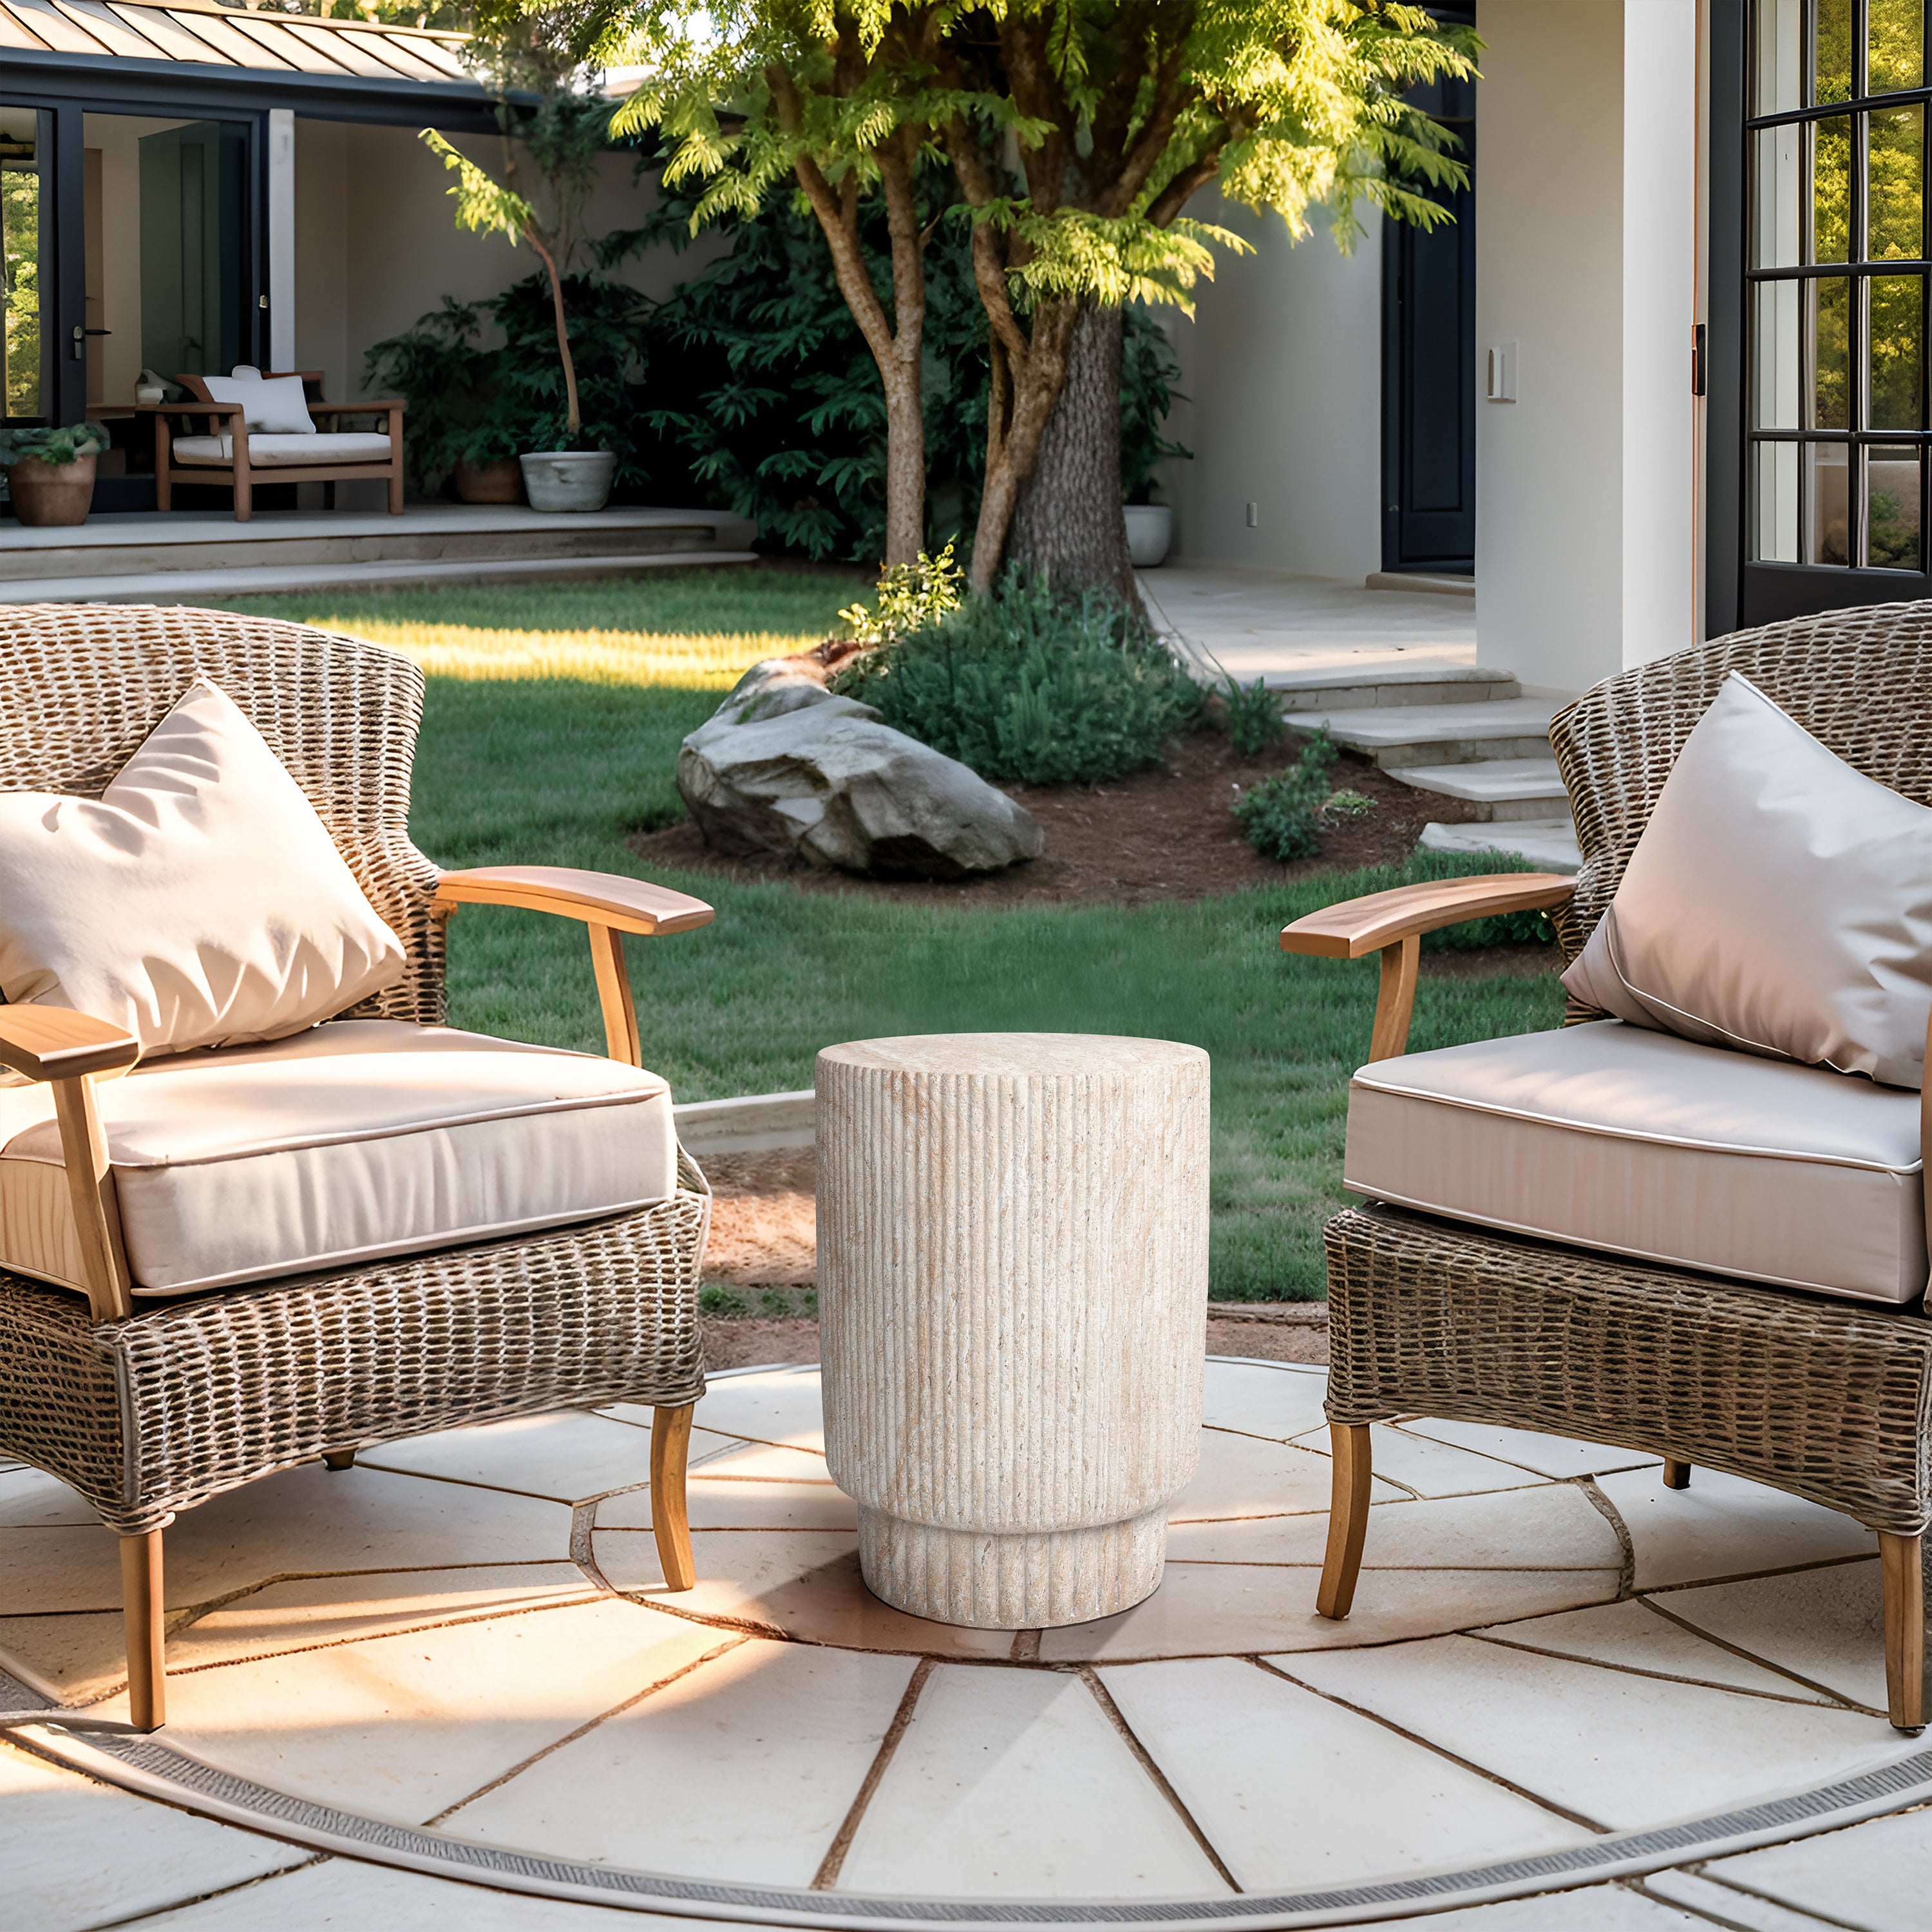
1078 132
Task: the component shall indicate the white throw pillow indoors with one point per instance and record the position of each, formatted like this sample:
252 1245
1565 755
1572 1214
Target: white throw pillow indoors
276 406
1778 900
198 902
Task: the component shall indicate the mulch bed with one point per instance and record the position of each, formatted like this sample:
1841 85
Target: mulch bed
1168 832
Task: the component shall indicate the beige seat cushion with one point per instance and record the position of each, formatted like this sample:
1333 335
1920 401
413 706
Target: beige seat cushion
355 1140
199 901
1613 1136
269 452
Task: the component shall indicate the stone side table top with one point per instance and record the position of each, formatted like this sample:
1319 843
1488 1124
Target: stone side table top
1015 1055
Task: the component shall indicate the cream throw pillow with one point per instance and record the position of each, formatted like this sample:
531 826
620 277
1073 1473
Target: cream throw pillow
1778 900
271 405
198 902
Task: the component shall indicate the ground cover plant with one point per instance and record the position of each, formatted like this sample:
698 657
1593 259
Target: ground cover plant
1022 681
553 720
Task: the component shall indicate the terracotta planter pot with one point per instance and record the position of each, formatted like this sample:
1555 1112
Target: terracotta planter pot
50 495
501 482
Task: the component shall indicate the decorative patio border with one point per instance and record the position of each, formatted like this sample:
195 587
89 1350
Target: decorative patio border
152 1769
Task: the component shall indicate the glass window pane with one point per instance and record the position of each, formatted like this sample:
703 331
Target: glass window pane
1896 39
1827 307
1777 212
20 278
1892 498
1775 524
1897 381
1780 56
1894 191
1776 363
1830 186
1826 538
1832 51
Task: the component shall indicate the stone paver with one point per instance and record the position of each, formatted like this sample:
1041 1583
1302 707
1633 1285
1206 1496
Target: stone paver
436 1642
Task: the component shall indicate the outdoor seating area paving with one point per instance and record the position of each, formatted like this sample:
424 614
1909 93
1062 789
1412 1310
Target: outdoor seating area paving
457 1661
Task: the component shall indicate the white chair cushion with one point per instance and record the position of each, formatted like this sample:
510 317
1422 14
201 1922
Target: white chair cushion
199 901
278 406
1778 900
353 1141
272 452
1610 1136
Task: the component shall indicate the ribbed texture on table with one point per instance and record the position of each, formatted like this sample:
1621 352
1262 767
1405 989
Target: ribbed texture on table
1826 1399
1012 1285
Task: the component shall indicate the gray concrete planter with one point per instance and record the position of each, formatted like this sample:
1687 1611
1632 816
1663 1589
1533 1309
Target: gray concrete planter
568 479
1150 532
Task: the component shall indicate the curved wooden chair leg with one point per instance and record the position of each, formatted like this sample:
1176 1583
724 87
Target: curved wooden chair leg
1901 1559
143 1607
1348 1517
1676 1474
670 1450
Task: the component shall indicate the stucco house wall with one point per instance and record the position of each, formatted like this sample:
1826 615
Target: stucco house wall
1282 368
377 245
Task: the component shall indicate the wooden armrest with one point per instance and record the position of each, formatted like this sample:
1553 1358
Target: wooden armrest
610 906
597 899
1358 926
1392 924
59 1045
56 1043
357 409
192 408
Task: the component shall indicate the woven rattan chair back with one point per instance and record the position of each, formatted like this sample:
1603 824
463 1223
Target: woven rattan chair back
84 686
1859 680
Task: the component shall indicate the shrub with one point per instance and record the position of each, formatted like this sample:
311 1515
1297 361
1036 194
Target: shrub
1031 684
1283 815
1253 714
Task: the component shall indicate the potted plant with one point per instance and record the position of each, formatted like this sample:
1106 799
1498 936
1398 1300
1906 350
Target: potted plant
1148 375
50 472
562 134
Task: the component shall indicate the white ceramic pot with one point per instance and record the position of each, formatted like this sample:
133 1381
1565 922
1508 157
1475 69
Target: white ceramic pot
568 479
1150 531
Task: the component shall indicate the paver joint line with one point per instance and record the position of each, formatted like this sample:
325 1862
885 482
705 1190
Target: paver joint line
1482 1636
833 1862
1611 1515
1764 1662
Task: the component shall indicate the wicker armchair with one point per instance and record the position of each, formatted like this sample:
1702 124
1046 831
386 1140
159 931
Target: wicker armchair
147 1408
1825 1398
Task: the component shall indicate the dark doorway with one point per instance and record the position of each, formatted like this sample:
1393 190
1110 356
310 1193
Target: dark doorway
1429 362
194 312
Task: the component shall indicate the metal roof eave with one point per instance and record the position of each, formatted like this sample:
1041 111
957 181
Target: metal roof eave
460 107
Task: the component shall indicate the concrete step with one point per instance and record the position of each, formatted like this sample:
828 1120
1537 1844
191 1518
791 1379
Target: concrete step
196 586
1397 736
149 544
1441 585
1549 844
1360 687
1497 788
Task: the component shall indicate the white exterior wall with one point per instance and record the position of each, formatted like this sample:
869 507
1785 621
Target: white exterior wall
377 244
1282 367
1586 495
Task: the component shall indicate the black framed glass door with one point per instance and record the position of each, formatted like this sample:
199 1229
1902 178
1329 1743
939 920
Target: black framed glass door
1834 180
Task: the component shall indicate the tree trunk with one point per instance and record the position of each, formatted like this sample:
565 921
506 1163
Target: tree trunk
1067 525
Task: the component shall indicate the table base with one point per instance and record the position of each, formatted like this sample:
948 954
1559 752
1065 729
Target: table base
1034 1580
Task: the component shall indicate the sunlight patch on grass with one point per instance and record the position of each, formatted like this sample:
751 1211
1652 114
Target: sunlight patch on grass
690 662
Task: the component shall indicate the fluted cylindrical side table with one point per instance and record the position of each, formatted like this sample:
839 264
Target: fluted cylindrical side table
1013 1257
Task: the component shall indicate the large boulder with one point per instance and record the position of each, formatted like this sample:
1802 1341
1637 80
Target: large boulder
784 766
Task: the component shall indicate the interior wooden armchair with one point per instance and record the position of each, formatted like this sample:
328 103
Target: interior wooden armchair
151 1368
1703 1254
205 441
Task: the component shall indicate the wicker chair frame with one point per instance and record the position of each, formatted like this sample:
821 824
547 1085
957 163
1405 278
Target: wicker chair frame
152 1414
1826 1399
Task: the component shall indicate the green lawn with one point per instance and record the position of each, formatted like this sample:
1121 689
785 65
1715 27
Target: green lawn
554 714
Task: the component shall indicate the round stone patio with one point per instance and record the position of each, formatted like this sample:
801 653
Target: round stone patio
457 1659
